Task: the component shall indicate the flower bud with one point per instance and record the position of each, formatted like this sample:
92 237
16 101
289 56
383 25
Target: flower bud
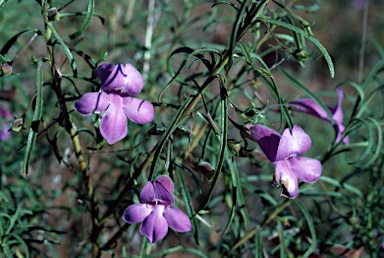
53 14
206 169
18 123
6 69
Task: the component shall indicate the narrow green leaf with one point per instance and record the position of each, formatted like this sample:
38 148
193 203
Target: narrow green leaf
12 41
236 183
223 141
345 186
304 89
188 203
312 229
369 141
233 210
365 103
2 3
67 51
3 59
258 250
284 252
372 74
314 40
178 249
87 20
35 119
21 242
378 47
378 142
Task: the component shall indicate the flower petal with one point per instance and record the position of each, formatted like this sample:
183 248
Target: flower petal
155 226
147 194
306 169
104 70
137 213
267 138
292 143
113 125
92 102
336 111
310 107
163 186
339 131
288 179
4 126
177 219
138 110
123 78
339 117
4 133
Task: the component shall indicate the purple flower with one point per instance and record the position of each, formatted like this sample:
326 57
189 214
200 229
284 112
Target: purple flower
114 103
156 211
284 152
310 107
4 132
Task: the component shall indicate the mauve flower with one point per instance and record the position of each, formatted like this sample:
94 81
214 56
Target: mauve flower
4 127
119 82
284 152
310 107
156 211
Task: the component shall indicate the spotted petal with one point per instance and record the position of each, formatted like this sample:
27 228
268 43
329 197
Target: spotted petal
122 78
137 213
163 186
267 138
155 226
104 70
113 125
177 219
138 110
92 102
293 142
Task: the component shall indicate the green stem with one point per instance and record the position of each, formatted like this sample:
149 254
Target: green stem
71 129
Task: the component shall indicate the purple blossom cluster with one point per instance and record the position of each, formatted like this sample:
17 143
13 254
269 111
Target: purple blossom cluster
156 211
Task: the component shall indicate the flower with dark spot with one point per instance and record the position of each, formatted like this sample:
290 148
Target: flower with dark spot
285 151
